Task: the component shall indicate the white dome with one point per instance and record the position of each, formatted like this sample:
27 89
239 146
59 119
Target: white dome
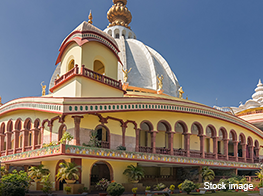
145 62
258 95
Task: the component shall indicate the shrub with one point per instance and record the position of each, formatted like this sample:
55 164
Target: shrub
134 190
159 186
148 188
47 184
180 186
68 189
14 184
188 186
115 189
172 187
121 147
102 184
226 181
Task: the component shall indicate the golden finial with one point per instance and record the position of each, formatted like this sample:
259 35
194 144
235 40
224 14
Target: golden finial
119 14
43 89
181 92
90 17
160 82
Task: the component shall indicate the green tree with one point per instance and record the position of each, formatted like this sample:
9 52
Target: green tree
66 138
260 176
134 173
37 172
68 171
14 184
207 174
47 184
188 186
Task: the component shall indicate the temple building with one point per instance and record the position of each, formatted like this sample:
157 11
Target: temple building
108 82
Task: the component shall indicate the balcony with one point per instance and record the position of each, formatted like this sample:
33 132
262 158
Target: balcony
179 152
162 151
145 149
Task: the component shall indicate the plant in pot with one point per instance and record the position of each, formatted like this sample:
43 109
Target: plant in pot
47 185
69 172
115 189
188 186
180 187
207 174
172 187
66 138
102 185
67 189
197 186
159 186
37 172
134 191
134 173
147 189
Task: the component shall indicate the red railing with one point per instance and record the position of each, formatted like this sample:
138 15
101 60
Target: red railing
241 159
105 144
249 160
145 149
195 153
162 151
3 153
231 158
209 155
28 148
10 151
180 152
37 146
221 157
89 74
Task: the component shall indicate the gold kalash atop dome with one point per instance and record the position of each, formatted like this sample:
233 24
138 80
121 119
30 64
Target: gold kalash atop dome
119 14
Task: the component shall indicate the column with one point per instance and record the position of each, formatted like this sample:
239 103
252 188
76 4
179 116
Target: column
153 142
8 141
2 142
235 144
78 162
215 146
137 140
200 174
202 146
50 131
42 135
76 140
257 152
25 139
225 148
123 126
251 152
35 138
187 143
244 154
171 142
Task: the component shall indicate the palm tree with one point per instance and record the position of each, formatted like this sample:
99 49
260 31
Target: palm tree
37 172
260 175
207 174
68 171
134 172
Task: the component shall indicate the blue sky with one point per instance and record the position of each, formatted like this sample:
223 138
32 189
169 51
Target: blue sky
214 47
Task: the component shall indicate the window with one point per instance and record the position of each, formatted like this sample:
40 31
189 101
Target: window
71 64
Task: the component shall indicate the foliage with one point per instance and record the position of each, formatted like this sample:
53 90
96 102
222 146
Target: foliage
197 185
207 174
68 189
134 172
134 190
148 188
37 172
159 186
47 184
85 189
188 186
54 143
93 141
68 171
14 184
103 184
225 181
120 147
180 186
66 138
115 189
3 171
172 187
259 174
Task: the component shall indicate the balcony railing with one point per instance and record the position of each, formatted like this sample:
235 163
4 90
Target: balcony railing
180 152
249 160
28 148
241 159
209 155
231 158
162 151
194 153
105 144
145 149
88 74
221 157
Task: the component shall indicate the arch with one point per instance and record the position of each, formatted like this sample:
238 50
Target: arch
233 135
163 124
212 129
37 123
110 32
196 126
99 177
117 33
123 33
71 64
9 127
27 124
249 141
57 182
2 128
222 133
105 140
99 67
18 124
256 144
242 138
61 131
147 123
130 35
180 124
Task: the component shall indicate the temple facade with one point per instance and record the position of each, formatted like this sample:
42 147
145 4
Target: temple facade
110 83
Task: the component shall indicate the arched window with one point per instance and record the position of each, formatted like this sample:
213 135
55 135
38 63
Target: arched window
71 64
117 36
103 136
99 67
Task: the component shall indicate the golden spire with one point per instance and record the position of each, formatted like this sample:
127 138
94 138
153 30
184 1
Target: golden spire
119 14
90 17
